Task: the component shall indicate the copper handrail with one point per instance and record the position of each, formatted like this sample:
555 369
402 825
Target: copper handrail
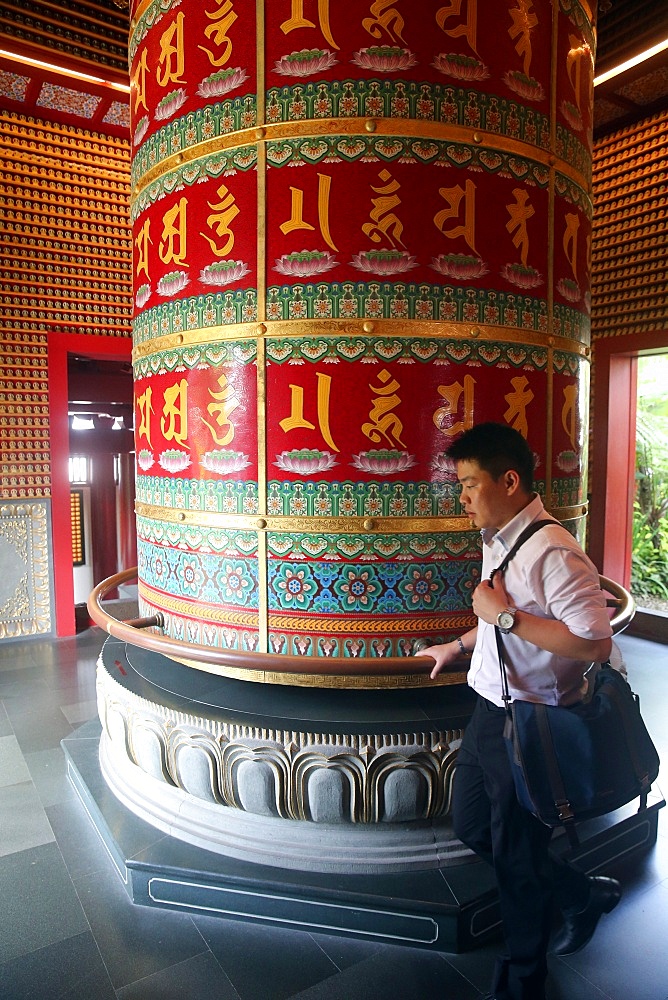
135 631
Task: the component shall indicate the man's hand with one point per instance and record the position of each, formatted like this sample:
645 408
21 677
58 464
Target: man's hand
489 598
445 655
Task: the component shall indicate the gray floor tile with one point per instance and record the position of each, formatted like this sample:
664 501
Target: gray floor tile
265 963
38 729
80 711
6 728
407 973
628 957
23 822
39 903
67 970
13 767
135 941
198 978
48 770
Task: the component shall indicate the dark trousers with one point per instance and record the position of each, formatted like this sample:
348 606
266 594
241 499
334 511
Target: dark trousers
488 818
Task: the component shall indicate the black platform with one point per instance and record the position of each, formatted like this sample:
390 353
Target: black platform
451 909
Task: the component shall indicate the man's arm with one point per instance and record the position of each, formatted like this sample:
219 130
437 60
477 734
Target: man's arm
449 652
490 598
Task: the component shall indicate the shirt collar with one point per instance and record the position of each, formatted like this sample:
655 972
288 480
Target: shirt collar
508 535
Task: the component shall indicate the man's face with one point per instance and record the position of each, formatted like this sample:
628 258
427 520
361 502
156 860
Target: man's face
484 500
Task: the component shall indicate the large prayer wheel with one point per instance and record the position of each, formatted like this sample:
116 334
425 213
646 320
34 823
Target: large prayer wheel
359 228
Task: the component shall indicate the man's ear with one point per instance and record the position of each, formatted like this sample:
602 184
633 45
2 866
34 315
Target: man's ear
511 481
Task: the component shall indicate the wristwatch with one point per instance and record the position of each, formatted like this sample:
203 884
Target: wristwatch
505 620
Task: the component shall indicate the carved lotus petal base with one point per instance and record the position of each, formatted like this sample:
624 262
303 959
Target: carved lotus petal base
313 780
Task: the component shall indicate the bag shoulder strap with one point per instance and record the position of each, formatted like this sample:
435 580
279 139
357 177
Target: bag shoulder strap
524 536
530 530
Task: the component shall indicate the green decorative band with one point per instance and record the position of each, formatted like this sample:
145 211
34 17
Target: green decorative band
213 502
503 122
299 544
201 312
217 164
363 301
192 356
206 496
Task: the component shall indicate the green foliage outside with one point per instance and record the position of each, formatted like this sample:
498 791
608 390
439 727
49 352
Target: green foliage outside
649 567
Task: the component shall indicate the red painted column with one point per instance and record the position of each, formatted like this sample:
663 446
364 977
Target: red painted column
359 228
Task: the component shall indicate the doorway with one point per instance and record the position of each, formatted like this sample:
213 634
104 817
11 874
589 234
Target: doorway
95 373
613 466
101 471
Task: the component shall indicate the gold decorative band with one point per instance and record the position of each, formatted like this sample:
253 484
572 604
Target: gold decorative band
198 610
373 625
403 329
305 525
327 525
410 127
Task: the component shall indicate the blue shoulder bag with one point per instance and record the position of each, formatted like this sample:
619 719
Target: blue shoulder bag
576 762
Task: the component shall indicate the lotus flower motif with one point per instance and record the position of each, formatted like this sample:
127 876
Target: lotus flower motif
145 459
445 466
170 104
523 277
525 86
383 462
460 67
223 272
306 262
222 82
384 262
174 460
305 461
384 58
569 289
279 350
224 462
306 62
141 130
459 266
142 296
172 283
572 115
568 461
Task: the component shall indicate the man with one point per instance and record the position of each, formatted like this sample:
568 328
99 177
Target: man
553 613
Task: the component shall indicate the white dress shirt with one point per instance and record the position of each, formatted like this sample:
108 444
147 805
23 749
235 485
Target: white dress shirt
550 577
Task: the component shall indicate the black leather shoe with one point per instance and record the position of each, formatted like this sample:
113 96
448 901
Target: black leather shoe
578 928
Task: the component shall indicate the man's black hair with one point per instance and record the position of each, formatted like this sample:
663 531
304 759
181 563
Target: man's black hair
496 448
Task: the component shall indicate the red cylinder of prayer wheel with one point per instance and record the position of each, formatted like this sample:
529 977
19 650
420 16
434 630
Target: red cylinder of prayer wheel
359 229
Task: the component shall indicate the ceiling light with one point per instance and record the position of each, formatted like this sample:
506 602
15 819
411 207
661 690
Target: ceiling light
630 63
27 61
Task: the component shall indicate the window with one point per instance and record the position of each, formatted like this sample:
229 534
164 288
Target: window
79 469
78 532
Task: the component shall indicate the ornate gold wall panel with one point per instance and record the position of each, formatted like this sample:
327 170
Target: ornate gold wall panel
25 579
66 245
25 469
630 231
65 267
